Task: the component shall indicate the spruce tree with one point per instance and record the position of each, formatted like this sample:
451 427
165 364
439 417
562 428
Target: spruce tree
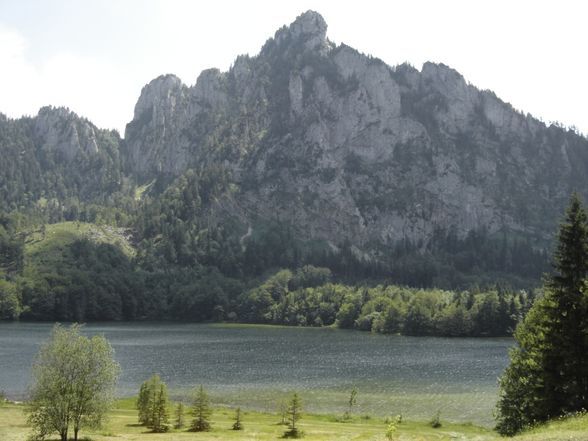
238 424
179 416
548 373
153 403
294 415
160 414
201 411
143 403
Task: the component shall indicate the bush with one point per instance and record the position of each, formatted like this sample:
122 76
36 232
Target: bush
391 431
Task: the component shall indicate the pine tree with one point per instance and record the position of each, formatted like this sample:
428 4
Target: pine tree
201 411
153 403
143 403
548 373
294 415
238 424
160 414
179 416
352 401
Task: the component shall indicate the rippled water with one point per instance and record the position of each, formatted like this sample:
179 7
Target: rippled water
256 366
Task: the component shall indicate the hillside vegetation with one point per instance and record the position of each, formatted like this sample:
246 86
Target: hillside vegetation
75 271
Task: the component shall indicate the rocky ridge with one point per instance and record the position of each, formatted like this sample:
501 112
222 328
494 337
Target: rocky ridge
350 149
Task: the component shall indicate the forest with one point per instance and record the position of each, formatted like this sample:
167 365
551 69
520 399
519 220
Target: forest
181 260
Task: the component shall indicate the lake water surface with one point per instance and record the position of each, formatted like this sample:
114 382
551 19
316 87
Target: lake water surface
256 366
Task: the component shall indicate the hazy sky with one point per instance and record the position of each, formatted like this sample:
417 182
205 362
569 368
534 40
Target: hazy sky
95 56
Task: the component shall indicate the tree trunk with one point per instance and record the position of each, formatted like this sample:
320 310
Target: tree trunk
63 434
76 430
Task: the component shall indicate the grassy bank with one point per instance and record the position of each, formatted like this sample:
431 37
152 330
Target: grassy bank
122 425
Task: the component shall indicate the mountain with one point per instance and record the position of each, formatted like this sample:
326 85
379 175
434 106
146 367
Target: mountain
350 150
54 157
310 152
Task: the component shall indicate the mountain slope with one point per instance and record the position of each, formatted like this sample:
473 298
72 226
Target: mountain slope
355 153
309 153
54 157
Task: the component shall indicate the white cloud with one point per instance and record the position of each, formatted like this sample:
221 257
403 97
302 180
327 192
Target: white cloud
18 92
91 87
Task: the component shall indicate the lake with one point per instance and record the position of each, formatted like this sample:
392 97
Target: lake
256 366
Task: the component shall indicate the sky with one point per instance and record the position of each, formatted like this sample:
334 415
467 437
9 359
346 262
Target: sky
95 56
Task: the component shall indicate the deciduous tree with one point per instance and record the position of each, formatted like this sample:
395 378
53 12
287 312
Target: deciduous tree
73 383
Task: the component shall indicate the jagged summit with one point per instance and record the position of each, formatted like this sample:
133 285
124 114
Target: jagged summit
347 148
345 151
310 26
308 31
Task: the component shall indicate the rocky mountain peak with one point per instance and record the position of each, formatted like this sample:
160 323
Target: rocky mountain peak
308 31
62 131
310 24
349 148
162 92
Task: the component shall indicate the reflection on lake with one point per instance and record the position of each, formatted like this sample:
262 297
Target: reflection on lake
255 366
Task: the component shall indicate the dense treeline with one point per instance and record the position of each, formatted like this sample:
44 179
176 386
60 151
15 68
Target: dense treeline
97 281
306 298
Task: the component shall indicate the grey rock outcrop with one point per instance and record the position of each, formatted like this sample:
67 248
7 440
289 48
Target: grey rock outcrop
349 149
61 131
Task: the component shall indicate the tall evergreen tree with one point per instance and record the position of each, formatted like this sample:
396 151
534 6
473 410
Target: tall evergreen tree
160 413
548 374
201 411
294 415
238 424
180 416
143 403
153 403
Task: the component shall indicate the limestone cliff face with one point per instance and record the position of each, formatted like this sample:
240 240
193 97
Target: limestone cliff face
60 131
349 149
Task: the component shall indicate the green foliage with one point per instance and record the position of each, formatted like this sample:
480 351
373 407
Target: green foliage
179 415
10 304
153 405
547 376
384 309
73 383
238 424
350 403
294 415
391 430
11 245
46 182
79 272
435 422
201 411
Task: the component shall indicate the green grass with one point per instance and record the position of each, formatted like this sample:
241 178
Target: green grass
50 248
122 425
260 426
